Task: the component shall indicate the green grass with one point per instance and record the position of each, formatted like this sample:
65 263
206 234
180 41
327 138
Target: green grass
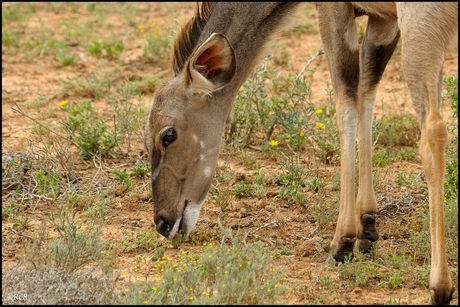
109 49
239 274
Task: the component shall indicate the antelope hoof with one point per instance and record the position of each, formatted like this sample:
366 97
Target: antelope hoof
440 296
368 234
344 250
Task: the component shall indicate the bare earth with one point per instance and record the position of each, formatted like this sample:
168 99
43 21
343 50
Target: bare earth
23 78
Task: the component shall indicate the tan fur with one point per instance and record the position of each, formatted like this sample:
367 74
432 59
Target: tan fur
196 102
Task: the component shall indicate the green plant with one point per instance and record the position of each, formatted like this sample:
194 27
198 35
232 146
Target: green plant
314 184
323 212
394 280
8 211
140 169
157 46
286 113
10 39
419 228
249 159
96 139
259 176
122 177
64 58
22 222
148 84
242 189
159 252
95 86
146 239
422 275
99 209
397 261
283 252
397 129
223 198
48 183
72 243
258 189
109 49
406 178
381 158
451 183
239 274
407 154
292 177
78 113
393 301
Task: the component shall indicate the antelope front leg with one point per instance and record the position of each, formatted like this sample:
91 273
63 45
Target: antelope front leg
380 40
340 43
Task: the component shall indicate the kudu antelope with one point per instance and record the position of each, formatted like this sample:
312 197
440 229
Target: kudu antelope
216 51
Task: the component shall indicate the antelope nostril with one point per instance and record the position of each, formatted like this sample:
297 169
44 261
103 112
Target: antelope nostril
162 228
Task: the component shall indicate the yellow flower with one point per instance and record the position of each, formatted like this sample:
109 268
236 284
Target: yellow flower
62 103
319 111
320 126
301 134
141 26
156 35
274 143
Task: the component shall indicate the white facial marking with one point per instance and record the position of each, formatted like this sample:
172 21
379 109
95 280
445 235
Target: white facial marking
173 232
202 144
195 138
201 157
207 171
191 214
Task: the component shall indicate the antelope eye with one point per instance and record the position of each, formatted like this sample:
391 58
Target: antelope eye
169 137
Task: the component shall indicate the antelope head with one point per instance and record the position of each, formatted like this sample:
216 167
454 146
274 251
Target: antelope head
184 132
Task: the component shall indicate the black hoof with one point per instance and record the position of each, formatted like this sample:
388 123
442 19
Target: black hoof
368 234
345 249
440 297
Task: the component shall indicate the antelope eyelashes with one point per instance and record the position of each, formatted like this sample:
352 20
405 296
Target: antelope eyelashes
168 137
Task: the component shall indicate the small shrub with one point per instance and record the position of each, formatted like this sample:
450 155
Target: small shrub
403 130
109 49
240 274
140 169
292 177
64 58
72 243
242 190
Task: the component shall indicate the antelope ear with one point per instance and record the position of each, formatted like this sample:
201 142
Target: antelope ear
211 66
